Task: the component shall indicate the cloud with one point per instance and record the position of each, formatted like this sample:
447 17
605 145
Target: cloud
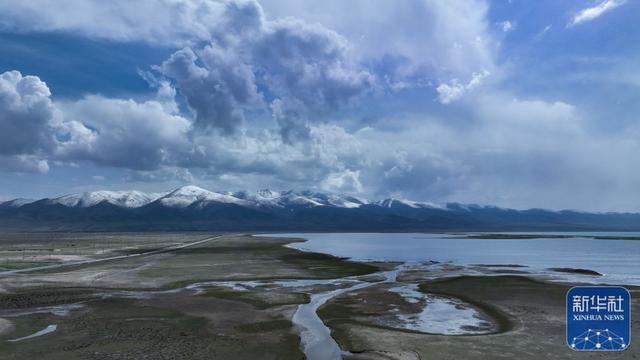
419 34
247 100
347 181
156 143
27 115
506 25
123 133
219 91
23 164
162 175
28 120
592 13
454 90
406 39
540 34
160 22
301 71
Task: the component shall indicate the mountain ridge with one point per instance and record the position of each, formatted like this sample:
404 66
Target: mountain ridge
194 208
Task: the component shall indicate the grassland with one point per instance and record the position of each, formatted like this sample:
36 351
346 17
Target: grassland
162 321
139 308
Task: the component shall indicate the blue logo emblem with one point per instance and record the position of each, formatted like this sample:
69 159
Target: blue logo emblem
598 318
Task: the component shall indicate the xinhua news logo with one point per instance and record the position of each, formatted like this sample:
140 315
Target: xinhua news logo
598 318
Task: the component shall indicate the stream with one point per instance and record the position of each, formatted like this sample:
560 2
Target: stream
315 336
48 329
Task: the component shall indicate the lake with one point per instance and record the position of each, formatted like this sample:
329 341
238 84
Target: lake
618 260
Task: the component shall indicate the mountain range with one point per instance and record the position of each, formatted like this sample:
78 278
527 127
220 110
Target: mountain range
193 208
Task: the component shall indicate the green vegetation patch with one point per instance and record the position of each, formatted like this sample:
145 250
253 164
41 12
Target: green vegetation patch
44 297
130 329
266 326
259 299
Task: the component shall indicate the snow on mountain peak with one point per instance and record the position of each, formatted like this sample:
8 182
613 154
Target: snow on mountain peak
187 195
130 199
268 194
412 204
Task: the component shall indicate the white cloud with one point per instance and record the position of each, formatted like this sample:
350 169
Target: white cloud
123 133
27 115
28 121
445 39
23 164
507 25
454 90
237 61
594 12
162 22
345 182
303 68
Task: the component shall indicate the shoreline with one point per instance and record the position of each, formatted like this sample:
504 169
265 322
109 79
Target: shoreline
260 288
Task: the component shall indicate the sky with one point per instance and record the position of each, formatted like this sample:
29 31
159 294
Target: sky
513 103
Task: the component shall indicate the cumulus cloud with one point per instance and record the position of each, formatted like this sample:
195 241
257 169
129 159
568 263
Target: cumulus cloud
219 91
406 38
28 120
27 115
123 133
592 13
454 90
302 70
161 22
506 25
433 32
260 95
347 181
158 144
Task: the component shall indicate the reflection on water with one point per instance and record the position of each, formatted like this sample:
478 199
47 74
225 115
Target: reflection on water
439 314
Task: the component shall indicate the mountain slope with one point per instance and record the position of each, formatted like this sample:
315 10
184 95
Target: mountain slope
194 208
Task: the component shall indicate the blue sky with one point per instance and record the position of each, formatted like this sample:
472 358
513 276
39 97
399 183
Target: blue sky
513 103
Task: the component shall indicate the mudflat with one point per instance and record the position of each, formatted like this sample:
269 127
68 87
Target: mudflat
139 307
530 315
226 297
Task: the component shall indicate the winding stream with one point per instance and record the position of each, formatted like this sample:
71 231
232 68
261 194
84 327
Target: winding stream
315 336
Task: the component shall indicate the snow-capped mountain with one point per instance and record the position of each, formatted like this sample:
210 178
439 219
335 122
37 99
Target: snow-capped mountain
129 199
194 208
307 198
390 202
188 195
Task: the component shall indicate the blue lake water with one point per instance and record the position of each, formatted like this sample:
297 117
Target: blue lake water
618 260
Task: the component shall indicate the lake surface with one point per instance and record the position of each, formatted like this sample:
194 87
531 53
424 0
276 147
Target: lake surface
618 260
